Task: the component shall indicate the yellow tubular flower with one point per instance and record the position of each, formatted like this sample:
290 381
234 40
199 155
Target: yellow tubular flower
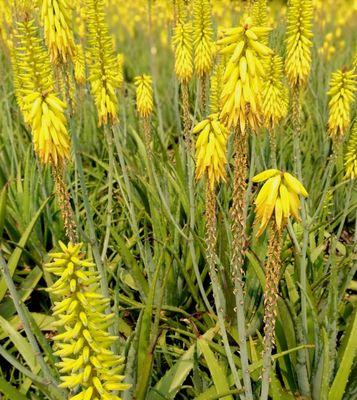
144 101
351 154
102 63
279 194
298 41
56 16
275 94
211 150
42 109
79 65
241 94
343 86
83 343
202 37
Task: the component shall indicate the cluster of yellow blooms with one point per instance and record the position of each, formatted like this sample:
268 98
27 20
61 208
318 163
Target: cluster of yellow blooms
241 95
102 63
343 86
211 149
83 343
56 16
351 154
42 109
202 37
275 94
279 194
298 41
260 17
144 101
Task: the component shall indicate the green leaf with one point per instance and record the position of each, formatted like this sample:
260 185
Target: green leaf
10 391
16 255
350 346
171 382
217 373
3 202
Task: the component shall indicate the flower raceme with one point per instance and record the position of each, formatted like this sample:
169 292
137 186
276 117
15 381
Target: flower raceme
56 16
83 342
202 37
351 154
275 94
102 63
241 104
279 194
42 109
343 86
211 149
144 101
298 41
260 17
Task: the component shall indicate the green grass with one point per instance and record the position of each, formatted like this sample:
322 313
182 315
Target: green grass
166 331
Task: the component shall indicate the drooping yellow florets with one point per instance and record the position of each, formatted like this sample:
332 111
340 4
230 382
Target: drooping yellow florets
241 95
298 41
202 37
211 149
79 65
102 63
183 44
343 86
279 194
275 94
42 109
83 343
351 154
144 101
56 16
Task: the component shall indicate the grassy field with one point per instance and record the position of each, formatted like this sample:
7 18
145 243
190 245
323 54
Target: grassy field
143 218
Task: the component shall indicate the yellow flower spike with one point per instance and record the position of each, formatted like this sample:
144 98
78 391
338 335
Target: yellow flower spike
120 64
211 150
79 65
216 87
102 63
260 16
351 154
298 41
183 45
56 16
84 339
275 94
202 37
342 90
242 80
42 109
279 195
144 100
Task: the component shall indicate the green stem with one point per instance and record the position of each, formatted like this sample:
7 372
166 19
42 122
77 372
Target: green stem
109 138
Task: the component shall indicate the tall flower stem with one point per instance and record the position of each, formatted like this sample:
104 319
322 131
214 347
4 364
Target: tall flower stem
272 137
271 291
296 119
109 139
63 198
186 116
239 247
211 240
